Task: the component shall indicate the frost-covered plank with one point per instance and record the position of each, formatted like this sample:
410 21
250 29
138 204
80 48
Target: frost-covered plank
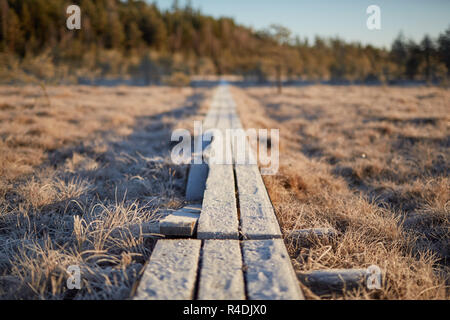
333 280
221 276
258 220
171 272
181 223
196 184
269 273
218 219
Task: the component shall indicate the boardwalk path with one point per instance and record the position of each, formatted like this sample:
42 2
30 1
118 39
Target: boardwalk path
237 251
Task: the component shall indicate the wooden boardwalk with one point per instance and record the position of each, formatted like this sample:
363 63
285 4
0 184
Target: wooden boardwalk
234 250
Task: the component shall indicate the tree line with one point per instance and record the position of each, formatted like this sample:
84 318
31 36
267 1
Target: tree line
138 38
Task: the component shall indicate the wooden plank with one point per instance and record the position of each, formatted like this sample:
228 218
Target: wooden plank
243 153
181 223
323 282
269 273
210 120
224 120
196 184
221 276
171 272
304 238
146 229
198 173
218 219
257 217
193 208
235 121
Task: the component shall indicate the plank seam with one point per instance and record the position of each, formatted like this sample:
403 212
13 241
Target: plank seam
244 269
199 269
238 206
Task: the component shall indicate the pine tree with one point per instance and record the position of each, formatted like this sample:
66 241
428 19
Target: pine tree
444 48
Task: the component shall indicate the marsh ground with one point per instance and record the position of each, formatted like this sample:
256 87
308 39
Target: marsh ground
371 162
79 167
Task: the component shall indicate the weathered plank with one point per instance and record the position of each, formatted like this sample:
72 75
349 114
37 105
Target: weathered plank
210 120
235 121
257 217
221 276
269 272
224 120
218 219
323 282
306 237
180 223
242 152
196 184
192 208
198 173
258 220
171 272
146 229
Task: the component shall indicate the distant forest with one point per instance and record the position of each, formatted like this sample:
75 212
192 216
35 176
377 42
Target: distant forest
137 39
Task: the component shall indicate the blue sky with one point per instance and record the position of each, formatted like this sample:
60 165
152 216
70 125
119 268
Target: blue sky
343 18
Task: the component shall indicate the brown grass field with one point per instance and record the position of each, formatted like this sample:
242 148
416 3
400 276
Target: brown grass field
371 162
80 166
77 165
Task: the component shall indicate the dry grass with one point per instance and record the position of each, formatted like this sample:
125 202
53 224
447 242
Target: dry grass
371 162
76 165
